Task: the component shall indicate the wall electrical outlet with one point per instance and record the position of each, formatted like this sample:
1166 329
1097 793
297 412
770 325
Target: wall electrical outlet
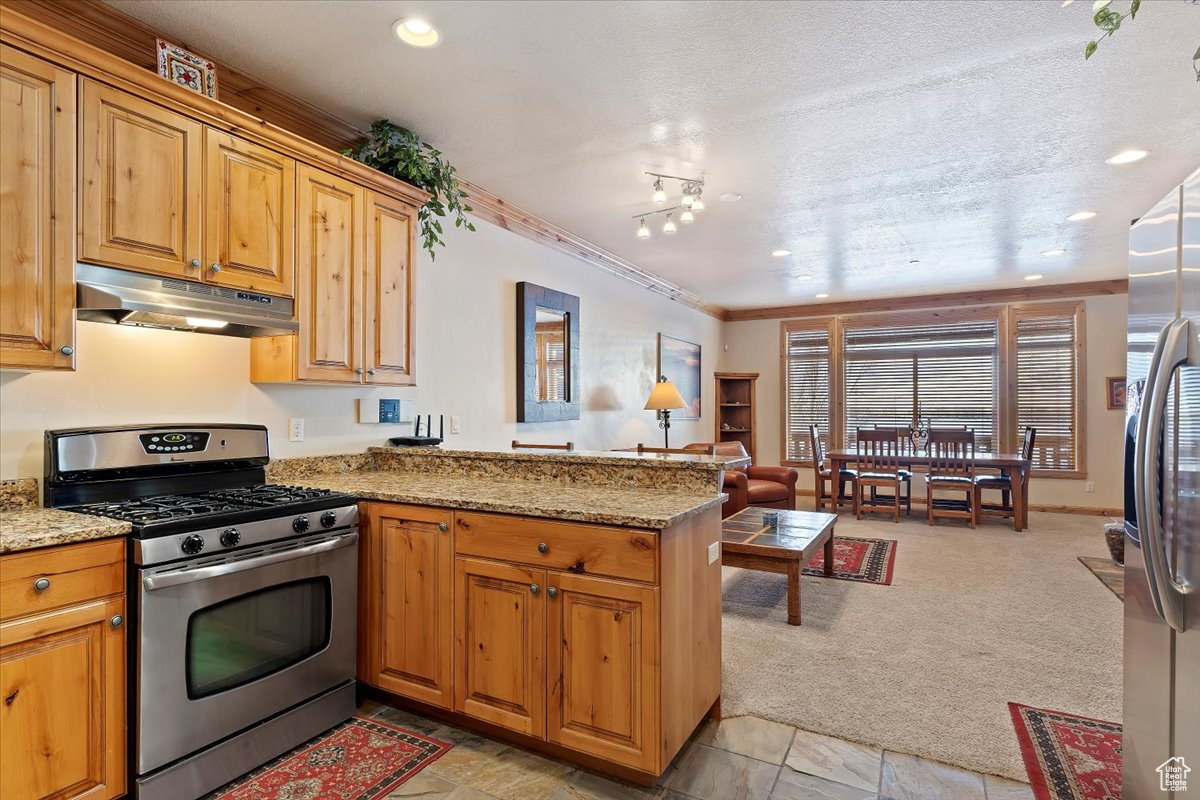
1089 486
295 429
454 427
714 552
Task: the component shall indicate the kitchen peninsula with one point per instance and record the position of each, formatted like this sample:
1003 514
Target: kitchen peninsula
569 602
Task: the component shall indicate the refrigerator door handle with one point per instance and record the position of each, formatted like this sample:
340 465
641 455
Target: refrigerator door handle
1170 353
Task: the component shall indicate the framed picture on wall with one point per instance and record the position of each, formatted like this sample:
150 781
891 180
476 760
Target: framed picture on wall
1116 393
679 361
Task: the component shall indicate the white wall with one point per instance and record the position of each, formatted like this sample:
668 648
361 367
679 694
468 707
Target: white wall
754 347
466 333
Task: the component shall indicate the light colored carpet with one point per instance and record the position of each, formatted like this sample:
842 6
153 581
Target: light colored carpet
927 666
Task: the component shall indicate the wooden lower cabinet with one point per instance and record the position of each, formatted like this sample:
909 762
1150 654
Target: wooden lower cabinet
62 677
616 671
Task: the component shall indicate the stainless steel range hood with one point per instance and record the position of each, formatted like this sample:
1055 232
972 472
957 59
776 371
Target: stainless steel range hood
129 298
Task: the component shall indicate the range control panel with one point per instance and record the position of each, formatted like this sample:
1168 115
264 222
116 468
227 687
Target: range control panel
174 441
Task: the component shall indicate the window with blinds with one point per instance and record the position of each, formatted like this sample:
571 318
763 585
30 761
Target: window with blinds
1047 379
806 388
940 373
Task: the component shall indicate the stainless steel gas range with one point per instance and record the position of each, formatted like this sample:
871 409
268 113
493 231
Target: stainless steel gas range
243 596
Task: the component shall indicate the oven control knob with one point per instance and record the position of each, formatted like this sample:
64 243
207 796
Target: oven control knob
192 544
230 537
329 519
300 524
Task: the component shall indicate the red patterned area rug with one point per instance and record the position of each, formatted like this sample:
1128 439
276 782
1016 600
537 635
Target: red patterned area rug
1068 757
363 759
862 560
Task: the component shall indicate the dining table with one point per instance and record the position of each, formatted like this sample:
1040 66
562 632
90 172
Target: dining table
1010 465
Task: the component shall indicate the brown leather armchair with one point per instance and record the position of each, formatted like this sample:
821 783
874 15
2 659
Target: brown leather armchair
768 487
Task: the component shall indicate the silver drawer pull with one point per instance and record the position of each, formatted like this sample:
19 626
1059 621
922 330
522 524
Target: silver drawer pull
543 547
534 588
443 527
41 584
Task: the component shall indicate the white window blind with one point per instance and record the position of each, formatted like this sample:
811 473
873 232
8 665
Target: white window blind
806 389
1047 384
942 373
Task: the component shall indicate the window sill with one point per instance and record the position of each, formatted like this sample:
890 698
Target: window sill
1064 474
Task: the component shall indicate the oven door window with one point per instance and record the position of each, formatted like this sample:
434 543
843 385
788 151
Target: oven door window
254 635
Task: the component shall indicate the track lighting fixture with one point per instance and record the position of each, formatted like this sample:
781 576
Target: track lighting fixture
659 195
669 226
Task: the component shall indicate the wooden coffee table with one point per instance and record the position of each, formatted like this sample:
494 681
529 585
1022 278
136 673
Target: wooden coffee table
786 547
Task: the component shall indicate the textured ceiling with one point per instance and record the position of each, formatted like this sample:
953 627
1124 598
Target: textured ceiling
862 134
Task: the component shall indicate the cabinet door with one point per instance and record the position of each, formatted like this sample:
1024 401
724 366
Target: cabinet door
412 627
141 184
37 212
500 638
329 227
250 210
389 291
62 722
602 665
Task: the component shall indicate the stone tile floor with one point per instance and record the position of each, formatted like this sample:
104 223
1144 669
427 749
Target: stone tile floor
742 758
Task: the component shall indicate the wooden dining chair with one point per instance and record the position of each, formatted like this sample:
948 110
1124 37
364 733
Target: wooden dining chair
822 472
905 446
951 468
569 446
690 450
1002 484
878 467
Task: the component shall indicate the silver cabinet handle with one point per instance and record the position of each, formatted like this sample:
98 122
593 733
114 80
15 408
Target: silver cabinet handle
66 350
41 584
371 371
543 547
215 267
117 621
188 575
443 527
534 588
195 262
1170 353
358 370
552 591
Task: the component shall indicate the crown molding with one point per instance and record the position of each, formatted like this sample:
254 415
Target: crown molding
106 29
983 297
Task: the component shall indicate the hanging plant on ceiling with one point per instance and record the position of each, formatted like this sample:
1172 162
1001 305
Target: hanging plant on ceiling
1109 19
400 153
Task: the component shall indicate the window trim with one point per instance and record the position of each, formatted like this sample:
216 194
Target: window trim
1006 368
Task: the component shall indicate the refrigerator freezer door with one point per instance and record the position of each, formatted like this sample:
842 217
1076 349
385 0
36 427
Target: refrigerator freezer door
1147 711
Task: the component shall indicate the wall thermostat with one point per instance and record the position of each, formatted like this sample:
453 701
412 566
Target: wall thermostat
390 410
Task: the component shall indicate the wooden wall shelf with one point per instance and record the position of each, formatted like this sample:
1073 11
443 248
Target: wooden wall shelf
736 408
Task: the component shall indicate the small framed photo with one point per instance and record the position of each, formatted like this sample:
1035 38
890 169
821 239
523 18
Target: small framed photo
186 68
1116 393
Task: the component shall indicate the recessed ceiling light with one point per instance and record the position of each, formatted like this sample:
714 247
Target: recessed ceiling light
416 32
804 277
822 295
779 253
1127 157
1033 277
1080 216
731 197
1054 251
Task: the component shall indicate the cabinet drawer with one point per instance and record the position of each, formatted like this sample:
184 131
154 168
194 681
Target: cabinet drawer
590 549
73 573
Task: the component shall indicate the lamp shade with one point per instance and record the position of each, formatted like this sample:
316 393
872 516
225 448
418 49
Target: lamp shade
664 397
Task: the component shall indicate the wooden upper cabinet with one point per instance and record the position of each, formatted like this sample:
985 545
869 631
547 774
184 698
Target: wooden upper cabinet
37 213
250 215
389 291
602 667
500 636
409 614
329 291
142 168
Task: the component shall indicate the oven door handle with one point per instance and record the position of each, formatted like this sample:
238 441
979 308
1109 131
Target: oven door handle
162 581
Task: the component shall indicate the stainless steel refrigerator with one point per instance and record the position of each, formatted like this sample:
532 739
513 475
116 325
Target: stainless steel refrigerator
1162 501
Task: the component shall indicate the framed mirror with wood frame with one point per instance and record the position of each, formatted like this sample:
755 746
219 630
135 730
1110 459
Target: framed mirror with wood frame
547 354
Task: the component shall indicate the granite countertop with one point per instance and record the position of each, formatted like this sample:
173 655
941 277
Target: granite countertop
607 505
27 528
698 460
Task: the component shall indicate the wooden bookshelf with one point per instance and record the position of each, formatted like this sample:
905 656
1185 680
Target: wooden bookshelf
735 408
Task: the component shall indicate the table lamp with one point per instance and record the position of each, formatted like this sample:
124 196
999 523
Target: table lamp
663 398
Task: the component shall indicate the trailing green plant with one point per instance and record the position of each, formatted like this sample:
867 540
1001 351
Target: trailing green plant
399 152
1109 20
